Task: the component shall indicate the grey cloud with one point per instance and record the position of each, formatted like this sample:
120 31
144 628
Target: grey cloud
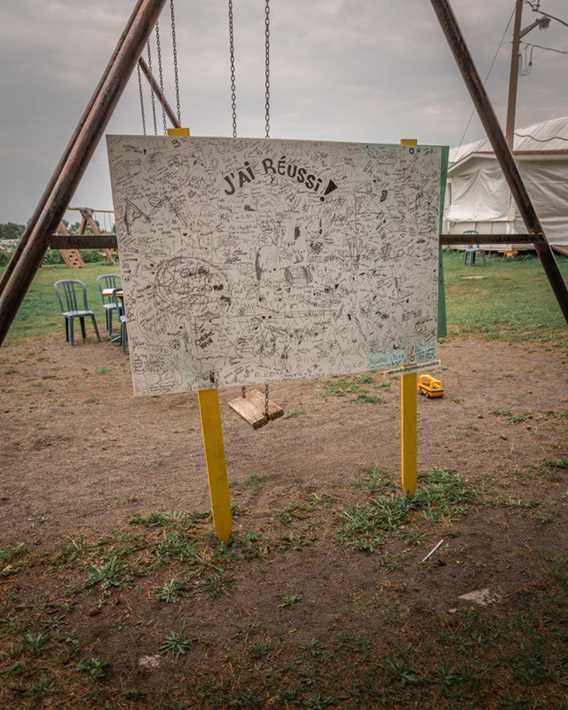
368 70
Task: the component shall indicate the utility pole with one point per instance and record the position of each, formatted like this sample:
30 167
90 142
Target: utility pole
514 75
518 33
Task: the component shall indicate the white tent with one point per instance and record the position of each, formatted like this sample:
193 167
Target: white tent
478 198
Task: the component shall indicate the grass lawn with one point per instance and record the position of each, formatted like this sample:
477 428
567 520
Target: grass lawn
505 298
508 299
39 313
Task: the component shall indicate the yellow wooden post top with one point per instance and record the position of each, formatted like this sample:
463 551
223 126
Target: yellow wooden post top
178 132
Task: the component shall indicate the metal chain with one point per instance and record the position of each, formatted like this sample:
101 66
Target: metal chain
151 92
140 93
174 49
266 400
267 69
160 69
232 64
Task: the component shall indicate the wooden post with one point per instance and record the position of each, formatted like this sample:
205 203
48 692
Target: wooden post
408 414
514 75
212 435
155 87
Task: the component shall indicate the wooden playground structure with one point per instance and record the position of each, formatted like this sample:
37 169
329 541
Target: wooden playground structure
42 229
88 225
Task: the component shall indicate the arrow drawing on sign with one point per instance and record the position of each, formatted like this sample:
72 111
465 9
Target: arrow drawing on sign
331 186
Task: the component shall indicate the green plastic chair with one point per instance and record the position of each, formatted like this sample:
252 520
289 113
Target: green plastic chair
105 281
73 302
119 305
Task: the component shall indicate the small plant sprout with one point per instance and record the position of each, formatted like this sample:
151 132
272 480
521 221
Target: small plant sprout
35 642
176 644
95 668
108 575
289 600
170 592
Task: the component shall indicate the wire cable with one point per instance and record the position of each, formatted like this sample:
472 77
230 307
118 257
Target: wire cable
546 14
488 74
548 49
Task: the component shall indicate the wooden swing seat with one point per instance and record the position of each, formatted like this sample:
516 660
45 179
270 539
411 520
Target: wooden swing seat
251 408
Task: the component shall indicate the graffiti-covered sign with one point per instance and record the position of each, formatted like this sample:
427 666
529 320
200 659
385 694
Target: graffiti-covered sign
253 260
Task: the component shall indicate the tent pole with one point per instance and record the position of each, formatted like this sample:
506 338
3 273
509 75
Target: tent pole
145 17
5 275
501 149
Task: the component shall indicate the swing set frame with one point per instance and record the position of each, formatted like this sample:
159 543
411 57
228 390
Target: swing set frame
55 200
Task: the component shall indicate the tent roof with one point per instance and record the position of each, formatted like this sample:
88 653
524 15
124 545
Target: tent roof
544 137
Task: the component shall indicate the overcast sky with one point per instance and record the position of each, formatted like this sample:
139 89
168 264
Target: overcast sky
361 70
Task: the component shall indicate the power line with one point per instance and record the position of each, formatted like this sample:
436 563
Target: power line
488 73
535 7
548 49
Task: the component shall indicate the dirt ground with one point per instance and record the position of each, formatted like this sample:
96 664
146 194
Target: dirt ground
80 458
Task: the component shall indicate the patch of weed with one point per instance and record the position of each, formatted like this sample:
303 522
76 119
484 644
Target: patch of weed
289 600
175 644
72 550
260 650
216 584
95 668
368 399
110 574
34 642
441 495
176 545
170 592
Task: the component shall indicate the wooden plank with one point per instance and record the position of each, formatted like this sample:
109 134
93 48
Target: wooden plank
83 241
257 398
560 248
408 448
212 435
246 409
451 239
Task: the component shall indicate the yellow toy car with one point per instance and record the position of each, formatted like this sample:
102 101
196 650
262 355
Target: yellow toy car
430 387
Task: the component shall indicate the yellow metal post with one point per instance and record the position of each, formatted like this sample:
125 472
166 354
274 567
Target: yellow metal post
212 434
408 415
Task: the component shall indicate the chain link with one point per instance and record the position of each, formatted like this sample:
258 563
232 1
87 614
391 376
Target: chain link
266 400
160 69
174 50
153 98
232 64
140 93
267 69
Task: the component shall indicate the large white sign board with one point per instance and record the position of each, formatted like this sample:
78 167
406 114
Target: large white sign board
251 260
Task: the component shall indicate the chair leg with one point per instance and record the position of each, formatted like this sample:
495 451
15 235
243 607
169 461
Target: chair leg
66 330
83 330
110 311
71 333
96 327
123 337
